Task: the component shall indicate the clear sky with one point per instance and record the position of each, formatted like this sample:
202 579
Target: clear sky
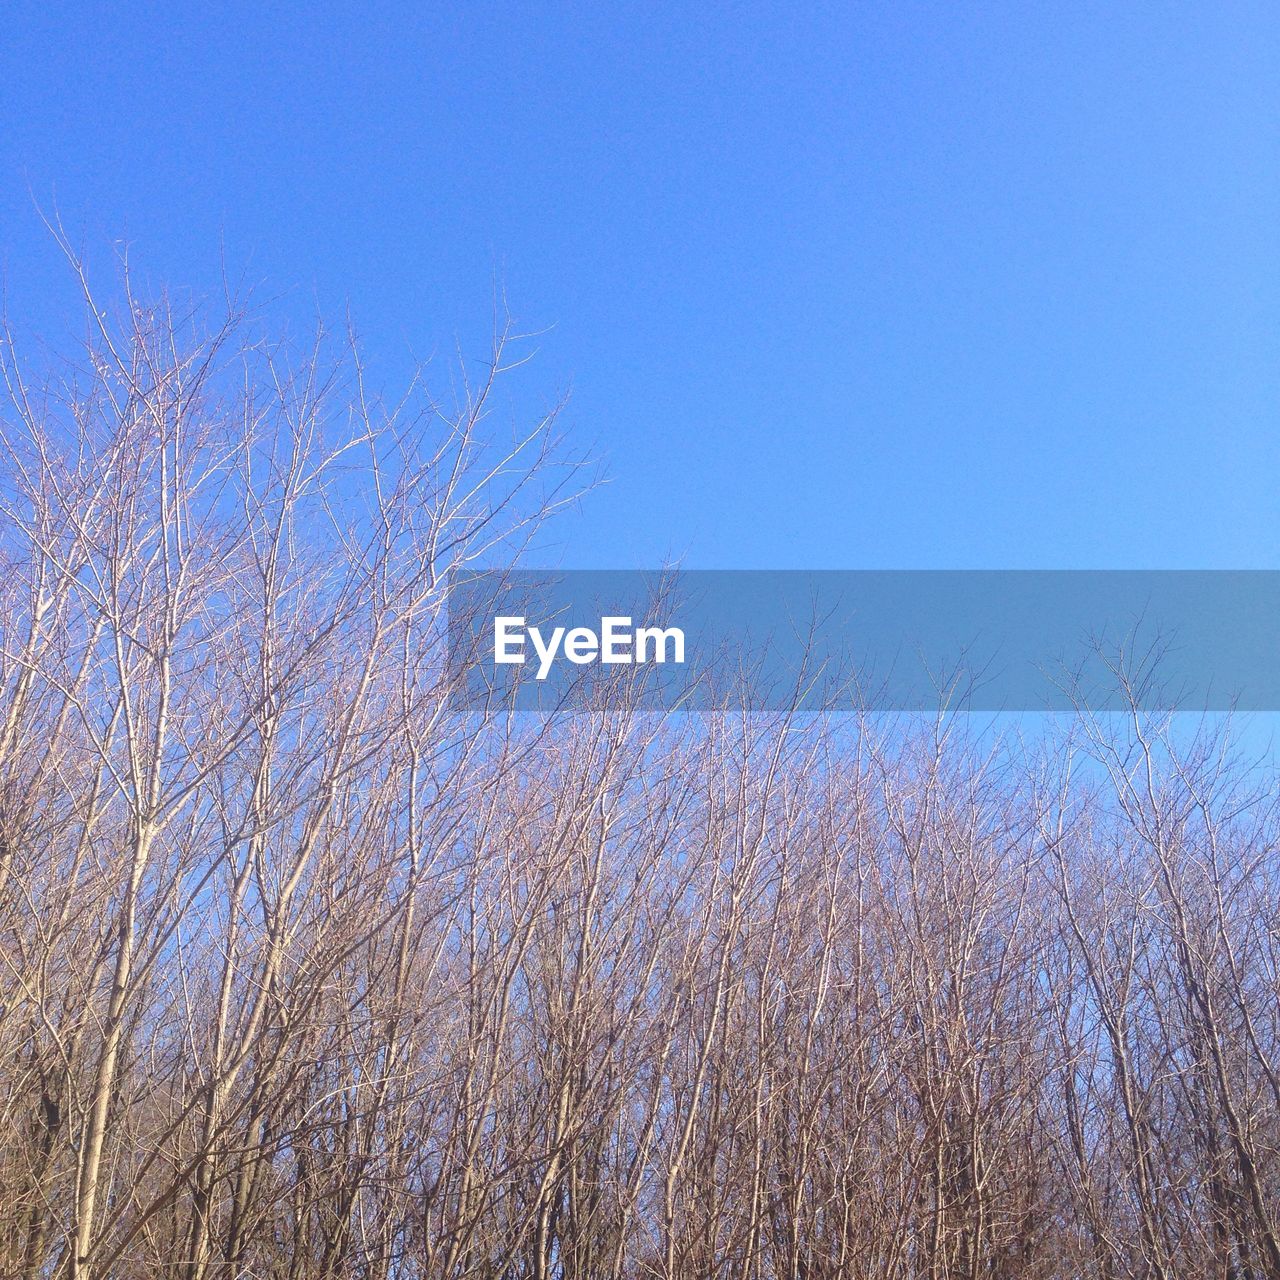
877 284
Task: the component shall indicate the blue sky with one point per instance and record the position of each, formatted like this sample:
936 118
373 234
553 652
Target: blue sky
868 285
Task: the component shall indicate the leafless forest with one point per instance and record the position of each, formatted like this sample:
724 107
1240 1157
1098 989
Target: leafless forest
304 975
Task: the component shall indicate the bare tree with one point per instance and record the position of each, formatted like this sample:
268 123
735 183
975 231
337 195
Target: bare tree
307 970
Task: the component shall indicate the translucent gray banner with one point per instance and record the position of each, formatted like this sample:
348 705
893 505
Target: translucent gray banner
917 640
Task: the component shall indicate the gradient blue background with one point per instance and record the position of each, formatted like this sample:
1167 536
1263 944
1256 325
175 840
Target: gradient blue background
867 285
